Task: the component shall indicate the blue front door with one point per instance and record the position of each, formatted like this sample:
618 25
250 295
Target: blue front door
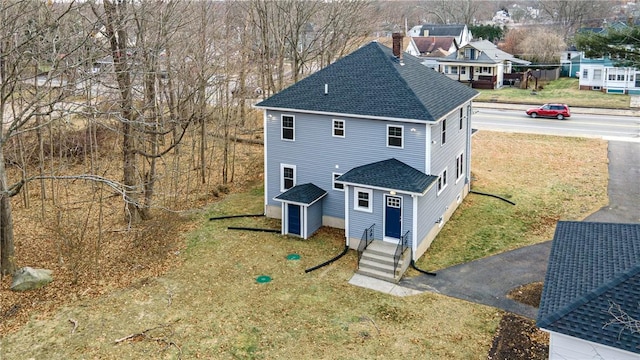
393 217
294 219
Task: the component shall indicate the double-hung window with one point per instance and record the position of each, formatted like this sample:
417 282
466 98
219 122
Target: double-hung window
394 136
461 118
442 181
597 74
363 199
444 132
288 127
287 177
337 186
459 167
338 128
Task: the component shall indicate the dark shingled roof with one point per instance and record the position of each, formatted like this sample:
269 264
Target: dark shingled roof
305 194
593 266
441 29
372 82
389 174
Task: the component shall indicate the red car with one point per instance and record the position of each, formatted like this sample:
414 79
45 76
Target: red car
558 111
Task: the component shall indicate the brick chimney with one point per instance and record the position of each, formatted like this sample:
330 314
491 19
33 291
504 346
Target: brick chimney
397 44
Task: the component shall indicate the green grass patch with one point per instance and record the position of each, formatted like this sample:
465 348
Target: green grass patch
549 179
563 90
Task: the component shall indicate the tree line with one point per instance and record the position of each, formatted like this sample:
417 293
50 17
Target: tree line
154 74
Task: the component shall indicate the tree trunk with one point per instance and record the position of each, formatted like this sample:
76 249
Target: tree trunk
118 36
7 257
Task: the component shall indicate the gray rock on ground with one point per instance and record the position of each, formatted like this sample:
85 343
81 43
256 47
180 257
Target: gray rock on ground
27 278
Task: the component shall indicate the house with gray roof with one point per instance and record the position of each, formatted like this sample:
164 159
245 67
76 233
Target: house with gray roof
590 302
479 63
376 144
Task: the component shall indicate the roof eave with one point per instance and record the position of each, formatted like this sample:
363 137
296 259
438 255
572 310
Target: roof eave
412 193
327 113
299 203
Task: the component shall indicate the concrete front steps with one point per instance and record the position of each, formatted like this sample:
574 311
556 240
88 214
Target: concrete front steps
377 262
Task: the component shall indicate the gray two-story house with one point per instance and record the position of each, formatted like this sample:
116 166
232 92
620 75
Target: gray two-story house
375 143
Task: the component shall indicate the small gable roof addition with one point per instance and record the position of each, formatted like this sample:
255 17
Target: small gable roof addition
391 174
303 194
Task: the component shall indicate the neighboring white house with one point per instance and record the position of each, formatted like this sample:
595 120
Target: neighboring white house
425 46
591 288
479 60
460 32
431 48
601 74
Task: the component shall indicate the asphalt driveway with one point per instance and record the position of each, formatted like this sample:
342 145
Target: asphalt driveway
624 185
488 281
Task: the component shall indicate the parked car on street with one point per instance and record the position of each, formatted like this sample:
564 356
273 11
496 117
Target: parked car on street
558 111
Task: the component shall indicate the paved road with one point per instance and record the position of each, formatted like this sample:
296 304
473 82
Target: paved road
487 281
616 127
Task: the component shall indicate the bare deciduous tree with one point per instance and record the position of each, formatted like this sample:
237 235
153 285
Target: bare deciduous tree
453 11
29 38
568 16
541 46
138 34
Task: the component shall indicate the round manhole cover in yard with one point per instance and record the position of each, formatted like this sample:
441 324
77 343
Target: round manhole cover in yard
293 257
263 279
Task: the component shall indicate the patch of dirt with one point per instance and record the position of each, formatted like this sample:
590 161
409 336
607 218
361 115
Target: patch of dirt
518 337
528 294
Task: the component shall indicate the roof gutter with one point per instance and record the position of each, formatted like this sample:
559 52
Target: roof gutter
386 189
384 118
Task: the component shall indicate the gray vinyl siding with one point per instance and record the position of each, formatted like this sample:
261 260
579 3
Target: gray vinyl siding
317 154
428 213
314 217
432 206
444 156
361 220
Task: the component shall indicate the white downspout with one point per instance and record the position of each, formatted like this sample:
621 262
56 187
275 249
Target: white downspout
346 214
266 165
414 228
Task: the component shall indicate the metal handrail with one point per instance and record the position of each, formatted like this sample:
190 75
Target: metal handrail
367 238
402 245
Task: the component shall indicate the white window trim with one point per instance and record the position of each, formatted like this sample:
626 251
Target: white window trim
282 166
461 119
460 164
445 183
333 181
355 200
401 137
333 128
282 127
